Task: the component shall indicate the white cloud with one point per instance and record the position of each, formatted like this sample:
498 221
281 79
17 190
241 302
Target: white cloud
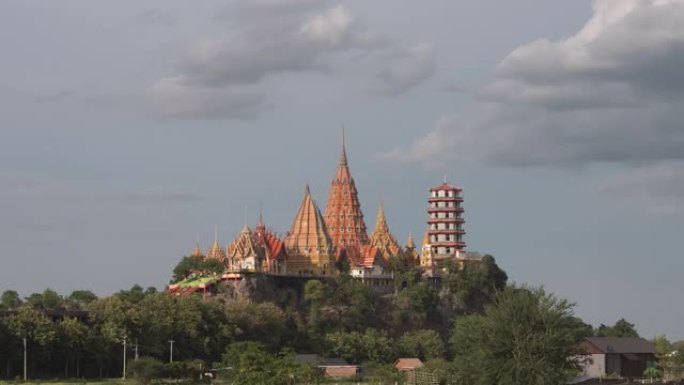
613 92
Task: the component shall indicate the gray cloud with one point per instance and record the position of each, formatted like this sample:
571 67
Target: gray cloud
659 186
158 195
662 180
219 78
156 17
613 92
409 66
177 98
55 97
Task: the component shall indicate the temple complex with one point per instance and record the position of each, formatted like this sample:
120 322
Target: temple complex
337 242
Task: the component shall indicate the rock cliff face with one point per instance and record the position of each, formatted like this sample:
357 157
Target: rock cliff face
283 291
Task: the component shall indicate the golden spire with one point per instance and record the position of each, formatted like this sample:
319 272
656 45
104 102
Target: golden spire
197 252
410 243
382 237
216 252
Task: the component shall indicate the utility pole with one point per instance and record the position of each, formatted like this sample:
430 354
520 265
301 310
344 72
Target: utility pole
171 351
124 358
25 372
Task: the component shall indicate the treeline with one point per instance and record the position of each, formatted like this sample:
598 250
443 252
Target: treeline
462 330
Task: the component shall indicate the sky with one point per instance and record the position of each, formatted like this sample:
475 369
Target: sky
129 129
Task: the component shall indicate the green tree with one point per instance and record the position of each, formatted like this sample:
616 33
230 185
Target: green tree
81 298
526 336
622 328
185 267
72 337
213 266
145 369
10 299
475 285
425 344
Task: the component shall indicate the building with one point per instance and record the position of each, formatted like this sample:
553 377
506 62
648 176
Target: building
443 239
617 356
309 246
331 367
343 215
337 241
408 364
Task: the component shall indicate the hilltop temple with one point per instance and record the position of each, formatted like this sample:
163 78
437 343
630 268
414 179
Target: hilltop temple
337 241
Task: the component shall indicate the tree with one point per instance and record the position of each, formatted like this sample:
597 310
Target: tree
81 298
145 369
213 266
72 336
476 284
372 345
652 373
425 344
525 336
622 328
185 267
10 299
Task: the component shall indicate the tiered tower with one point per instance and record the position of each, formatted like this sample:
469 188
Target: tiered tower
343 216
445 227
308 244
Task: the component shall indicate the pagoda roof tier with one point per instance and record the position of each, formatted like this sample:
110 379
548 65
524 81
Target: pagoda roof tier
445 209
446 231
445 199
446 220
445 187
448 244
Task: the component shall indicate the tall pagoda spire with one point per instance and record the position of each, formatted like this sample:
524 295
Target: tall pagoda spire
343 215
382 238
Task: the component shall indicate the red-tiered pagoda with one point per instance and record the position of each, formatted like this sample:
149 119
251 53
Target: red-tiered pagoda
343 216
444 237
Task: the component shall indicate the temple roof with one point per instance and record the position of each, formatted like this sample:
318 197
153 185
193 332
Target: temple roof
273 247
215 251
382 237
445 186
197 252
309 234
343 215
244 246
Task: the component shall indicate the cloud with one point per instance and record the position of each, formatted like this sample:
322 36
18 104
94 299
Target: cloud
177 98
219 77
409 66
55 97
612 92
156 17
660 185
158 195
663 180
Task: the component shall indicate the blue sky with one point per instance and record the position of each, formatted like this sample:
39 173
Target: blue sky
129 128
